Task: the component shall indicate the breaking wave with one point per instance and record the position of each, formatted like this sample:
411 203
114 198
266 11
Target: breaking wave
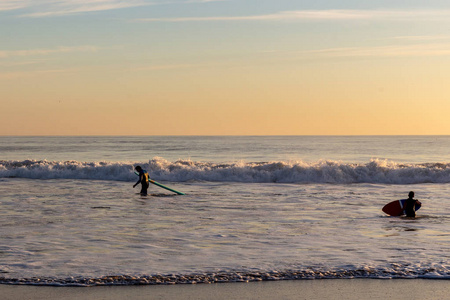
323 171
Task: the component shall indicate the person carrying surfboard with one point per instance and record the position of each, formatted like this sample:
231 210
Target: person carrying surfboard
143 180
410 207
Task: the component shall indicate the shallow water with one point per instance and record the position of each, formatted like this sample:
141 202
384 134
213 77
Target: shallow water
96 228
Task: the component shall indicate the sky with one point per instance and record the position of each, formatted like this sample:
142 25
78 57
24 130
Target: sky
224 67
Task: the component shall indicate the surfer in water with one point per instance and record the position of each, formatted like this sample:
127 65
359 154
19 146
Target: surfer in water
410 207
143 180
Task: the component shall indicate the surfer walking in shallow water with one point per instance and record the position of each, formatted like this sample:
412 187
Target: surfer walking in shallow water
143 180
410 207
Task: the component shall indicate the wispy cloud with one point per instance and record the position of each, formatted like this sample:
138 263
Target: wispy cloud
319 15
417 38
417 50
34 52
203 1
42 8
46 8
22 74
165 67
67 7
19 63
12 4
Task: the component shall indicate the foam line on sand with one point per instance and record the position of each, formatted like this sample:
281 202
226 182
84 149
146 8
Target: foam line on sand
291 289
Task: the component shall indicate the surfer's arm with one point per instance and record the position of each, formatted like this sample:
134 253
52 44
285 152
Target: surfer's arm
139 180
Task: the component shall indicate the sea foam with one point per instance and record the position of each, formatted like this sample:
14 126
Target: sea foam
394 271
323 171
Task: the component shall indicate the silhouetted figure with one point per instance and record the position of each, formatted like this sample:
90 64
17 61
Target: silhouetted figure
143 180
410 207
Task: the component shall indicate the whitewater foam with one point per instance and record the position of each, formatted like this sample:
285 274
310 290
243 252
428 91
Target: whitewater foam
239 276
323 171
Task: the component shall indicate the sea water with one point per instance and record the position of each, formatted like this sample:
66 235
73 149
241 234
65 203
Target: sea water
256 208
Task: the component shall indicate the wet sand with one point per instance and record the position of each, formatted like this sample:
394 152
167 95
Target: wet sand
292 289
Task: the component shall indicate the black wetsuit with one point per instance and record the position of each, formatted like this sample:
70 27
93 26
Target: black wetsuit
143 179
410 207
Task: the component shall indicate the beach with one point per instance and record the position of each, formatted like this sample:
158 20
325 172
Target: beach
350 289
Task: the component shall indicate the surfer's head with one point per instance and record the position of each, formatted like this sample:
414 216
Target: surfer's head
411 195
138 168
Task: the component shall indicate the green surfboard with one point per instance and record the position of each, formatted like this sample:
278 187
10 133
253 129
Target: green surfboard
163 186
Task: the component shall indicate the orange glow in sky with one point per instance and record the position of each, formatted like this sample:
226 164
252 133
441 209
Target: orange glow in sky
223 68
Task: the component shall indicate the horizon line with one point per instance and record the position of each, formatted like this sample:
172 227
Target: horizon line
231 135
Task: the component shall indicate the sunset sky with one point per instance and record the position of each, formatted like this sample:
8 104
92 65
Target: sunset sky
224 67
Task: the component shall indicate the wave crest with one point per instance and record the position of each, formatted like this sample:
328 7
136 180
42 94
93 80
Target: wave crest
323 171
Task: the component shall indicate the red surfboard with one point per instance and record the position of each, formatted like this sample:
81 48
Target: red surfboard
397 208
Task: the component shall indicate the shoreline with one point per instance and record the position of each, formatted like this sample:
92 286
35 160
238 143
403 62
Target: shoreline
285 289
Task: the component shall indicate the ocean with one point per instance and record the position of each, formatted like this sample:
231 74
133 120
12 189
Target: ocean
255 208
